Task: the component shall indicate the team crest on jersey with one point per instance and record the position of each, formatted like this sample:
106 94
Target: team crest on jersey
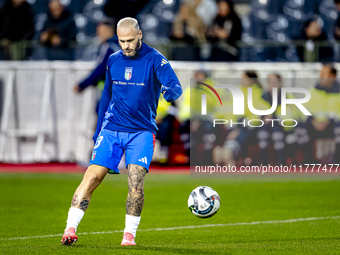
128 73
93 155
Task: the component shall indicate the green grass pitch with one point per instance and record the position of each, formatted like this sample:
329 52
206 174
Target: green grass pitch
34 206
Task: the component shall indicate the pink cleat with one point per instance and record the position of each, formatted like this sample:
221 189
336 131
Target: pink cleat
69 236
128 240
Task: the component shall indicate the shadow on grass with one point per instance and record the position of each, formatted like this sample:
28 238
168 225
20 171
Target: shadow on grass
144 249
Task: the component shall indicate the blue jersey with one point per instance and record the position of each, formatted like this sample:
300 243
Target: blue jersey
132 89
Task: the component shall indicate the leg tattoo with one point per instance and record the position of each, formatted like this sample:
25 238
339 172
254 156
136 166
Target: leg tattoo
84 204
75 200
135 199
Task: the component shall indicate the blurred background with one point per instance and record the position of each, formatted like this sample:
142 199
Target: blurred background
53 53
199 30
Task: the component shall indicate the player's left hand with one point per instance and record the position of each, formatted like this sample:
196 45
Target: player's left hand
169 94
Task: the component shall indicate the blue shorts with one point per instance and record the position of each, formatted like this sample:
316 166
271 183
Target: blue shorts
110 147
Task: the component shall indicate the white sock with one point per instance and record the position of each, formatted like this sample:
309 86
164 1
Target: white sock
74 217
131 224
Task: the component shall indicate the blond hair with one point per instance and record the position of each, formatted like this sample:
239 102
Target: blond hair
127 23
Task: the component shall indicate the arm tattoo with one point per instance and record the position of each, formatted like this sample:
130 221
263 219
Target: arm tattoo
135 199
75 200
84 204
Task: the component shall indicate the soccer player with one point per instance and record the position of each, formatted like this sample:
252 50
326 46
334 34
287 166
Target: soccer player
135 77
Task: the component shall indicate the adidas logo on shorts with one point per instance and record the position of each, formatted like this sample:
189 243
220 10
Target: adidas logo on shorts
164 62
144 160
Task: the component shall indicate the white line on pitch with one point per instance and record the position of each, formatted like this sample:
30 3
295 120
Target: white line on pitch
187 227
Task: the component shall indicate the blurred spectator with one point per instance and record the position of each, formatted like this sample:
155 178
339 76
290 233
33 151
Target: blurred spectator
58 32
313 34
188 25
337 24
166 116
281 138
189 115
197 131
241 136
16 27
119 9
109 44
207 11
324 106
268 133
227 27
191 103
313 31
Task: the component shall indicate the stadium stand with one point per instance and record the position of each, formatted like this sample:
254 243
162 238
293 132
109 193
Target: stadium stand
270 27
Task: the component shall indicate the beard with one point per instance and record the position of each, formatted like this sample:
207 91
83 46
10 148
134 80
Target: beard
132 52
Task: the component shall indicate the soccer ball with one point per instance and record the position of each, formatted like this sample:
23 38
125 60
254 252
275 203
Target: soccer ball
204 202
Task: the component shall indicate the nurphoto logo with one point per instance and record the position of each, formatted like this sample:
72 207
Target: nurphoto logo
239 104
